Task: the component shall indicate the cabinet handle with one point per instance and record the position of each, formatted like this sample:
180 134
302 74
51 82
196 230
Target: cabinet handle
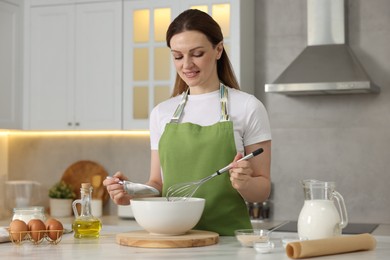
69 123
77 124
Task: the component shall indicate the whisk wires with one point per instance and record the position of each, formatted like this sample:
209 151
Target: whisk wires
183 191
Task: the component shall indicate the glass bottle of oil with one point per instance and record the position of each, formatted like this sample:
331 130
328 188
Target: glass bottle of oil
85 225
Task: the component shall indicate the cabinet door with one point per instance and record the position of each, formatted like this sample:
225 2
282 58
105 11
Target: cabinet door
51 67
10 83
148 70
76 66
98 67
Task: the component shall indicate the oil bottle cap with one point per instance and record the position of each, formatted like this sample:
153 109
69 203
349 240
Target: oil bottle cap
85 185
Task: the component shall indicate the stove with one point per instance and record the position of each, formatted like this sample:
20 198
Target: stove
351 228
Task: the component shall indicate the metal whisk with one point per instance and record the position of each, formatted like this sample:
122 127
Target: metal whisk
183 191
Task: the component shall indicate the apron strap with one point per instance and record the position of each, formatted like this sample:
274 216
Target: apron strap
224 100
180 107
223 92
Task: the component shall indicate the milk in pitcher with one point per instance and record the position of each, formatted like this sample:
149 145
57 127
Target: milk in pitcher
318 219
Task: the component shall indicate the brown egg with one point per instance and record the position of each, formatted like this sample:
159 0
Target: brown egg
18 230
54 229
37 229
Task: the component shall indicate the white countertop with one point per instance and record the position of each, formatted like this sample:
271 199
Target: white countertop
106 247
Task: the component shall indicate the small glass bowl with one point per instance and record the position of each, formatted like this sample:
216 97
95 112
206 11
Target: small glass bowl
247 237
28 213
263 247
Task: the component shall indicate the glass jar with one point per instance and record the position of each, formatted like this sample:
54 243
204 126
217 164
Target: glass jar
28 213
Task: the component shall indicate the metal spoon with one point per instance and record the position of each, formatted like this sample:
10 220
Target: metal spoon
138 189
277 226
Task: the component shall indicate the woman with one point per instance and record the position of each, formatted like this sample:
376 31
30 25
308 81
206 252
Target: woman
207 124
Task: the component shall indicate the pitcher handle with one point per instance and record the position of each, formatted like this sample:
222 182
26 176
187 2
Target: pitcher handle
74 206
342 209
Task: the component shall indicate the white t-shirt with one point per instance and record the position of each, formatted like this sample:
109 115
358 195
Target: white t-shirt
248 114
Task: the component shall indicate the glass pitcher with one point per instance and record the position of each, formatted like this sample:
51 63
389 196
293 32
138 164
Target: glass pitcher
319 217
22 193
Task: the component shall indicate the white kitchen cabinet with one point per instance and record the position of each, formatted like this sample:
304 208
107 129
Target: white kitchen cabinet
73 52
75 65
149 74
10 65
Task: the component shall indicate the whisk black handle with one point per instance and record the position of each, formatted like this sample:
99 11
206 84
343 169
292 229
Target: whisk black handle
253 154
257 152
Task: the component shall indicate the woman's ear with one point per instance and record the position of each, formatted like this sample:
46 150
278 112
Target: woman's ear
219 49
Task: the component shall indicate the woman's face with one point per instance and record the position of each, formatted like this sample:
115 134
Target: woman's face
195 59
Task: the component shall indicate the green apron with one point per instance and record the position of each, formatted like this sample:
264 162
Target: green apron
189 152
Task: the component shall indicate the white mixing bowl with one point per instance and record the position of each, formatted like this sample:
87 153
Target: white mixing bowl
161 217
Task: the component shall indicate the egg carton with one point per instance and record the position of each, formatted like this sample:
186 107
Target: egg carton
36 237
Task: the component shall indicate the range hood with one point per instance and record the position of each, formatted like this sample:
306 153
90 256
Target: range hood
327 65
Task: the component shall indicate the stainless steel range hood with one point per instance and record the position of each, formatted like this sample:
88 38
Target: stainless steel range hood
327 65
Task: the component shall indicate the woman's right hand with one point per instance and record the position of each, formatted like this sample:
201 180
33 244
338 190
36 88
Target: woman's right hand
116 191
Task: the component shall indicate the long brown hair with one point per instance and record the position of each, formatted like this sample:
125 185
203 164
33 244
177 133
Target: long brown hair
196 20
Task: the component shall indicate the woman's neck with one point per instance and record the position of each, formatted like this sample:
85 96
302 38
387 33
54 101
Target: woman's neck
197 90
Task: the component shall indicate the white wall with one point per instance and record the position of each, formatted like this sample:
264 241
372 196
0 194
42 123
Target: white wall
3 171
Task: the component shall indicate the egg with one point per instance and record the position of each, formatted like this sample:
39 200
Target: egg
18 230
37 229
54 229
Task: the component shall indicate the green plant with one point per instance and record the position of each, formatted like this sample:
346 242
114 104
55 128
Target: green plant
62 190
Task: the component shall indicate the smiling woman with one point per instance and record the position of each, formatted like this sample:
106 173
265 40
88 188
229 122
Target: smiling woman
207 114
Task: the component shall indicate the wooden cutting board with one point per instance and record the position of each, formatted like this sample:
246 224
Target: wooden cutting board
87 171
193 238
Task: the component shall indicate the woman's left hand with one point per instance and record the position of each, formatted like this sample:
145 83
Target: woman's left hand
240 173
